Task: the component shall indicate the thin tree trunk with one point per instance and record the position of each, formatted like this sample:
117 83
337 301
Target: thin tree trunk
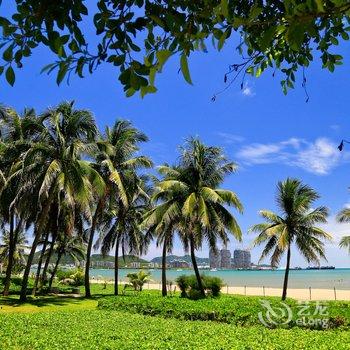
12 247
286 275
195 267
47 261
54 270
164 289
23 294
88 252
40 262
37 234
116 267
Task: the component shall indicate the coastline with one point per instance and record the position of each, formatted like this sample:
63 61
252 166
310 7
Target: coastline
316 294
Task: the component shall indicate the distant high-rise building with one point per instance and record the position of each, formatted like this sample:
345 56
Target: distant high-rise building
225 255
241 258
214 259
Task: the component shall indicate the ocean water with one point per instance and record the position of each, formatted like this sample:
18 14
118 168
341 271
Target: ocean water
323 279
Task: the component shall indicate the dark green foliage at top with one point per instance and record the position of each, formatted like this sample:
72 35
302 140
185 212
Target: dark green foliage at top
139 36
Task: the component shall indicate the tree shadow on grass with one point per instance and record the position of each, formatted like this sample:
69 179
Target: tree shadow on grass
41 301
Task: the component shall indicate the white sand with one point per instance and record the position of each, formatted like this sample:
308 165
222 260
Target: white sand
298 294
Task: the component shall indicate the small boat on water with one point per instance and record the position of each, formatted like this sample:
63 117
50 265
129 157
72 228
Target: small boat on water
179 270
213 269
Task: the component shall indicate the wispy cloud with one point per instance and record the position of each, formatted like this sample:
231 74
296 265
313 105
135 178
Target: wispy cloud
248 90
230 138
335 127
319 157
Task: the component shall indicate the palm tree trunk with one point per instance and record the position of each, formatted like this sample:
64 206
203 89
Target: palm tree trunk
40 262
286 275
195 267
116 267
47 261
23 294
54 270
37 234
12 247
164 290
88 252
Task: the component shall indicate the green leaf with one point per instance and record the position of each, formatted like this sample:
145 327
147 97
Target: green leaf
10 76
184 68
162 57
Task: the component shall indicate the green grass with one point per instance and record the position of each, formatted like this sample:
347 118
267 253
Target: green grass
54 322
94 329
237 310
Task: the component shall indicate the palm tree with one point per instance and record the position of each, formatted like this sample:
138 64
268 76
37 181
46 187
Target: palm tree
17 132
296 224
67 246
117 163
121 227
189 199
344 216
54 172
18 253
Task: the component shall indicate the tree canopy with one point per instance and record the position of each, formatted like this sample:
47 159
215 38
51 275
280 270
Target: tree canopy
138 36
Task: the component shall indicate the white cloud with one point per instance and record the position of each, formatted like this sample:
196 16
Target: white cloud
319 157
335 127
248 90
230 138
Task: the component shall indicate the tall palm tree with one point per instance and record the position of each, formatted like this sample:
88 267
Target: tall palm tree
344 216
54 171
67 246
295 225
17 132
117 162
189 198
121 228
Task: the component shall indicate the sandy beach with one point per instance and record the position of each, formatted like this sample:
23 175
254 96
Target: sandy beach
295 293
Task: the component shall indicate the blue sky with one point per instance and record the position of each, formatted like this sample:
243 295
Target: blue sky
270 136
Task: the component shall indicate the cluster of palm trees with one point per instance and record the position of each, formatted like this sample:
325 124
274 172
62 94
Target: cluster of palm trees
62 181
73 188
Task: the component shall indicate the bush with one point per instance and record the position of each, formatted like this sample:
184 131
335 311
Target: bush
189 286
236 310
71 277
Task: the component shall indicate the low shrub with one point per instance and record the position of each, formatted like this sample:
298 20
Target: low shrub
72 277
189 288
237 310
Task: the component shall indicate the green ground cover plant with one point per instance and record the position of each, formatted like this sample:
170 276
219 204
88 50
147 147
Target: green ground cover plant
95 329
237 310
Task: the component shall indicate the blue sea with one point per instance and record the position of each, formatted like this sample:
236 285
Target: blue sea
323 279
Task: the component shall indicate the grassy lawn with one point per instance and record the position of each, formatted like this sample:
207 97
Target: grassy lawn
125 322
94 329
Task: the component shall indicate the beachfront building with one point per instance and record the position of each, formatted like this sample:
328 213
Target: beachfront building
241 259
135 264
179 264
214 259
225 259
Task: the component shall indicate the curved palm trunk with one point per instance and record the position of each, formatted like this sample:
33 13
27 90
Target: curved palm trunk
23 294
195 267
54 270
88 252
116 267
286 275
12 247
37 234
47 261
40 262
164 290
